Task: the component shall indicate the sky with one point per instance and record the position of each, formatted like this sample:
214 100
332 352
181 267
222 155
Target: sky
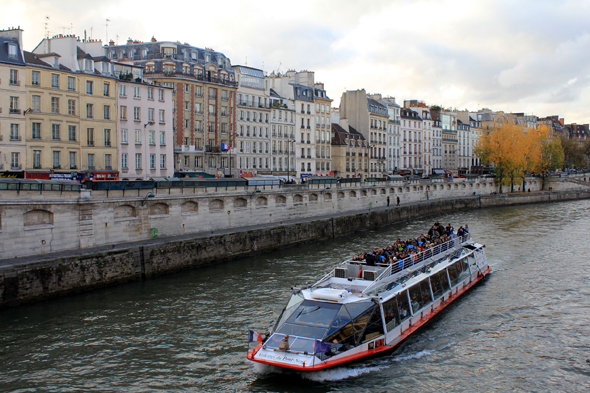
516 56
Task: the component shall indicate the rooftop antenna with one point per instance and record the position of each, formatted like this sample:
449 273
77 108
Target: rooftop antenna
246 60
107 30
71 28
90 33
46 26
279 67
117 39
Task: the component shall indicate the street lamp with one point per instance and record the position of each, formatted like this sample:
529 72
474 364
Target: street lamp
148 195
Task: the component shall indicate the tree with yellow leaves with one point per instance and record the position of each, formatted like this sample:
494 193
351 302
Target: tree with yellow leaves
515 150
504 147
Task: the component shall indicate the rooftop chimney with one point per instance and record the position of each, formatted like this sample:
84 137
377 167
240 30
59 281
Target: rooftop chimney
561 121
154 39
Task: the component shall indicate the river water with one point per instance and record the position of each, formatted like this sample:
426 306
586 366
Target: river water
526 328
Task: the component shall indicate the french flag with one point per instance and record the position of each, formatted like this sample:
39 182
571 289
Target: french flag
224 146
254 336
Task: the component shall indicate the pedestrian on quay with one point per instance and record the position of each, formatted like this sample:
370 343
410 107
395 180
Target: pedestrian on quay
387 201
398 201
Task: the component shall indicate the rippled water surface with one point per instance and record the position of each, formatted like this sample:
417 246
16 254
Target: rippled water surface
527 328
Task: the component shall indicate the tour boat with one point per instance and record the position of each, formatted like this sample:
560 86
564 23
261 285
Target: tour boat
358 311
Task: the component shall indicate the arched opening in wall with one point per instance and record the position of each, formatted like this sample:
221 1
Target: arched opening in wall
400 190
240 203
328 196
353 194
261 202
434 187
124 212
363 193
38 218
217 204
421 188
456 186
280 200
159 209
383 191
413 188
477 185
340 195
297 199
189 207
471 185
463 186
313 197
407 189
373 192
448 186
392 190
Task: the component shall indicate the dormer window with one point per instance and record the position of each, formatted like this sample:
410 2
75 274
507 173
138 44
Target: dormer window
121 54
207 58
111 54
12 51
88 64
144 53
194 55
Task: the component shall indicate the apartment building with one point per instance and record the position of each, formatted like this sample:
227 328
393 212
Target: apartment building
282 122
428 139
53 117
449 139
371 119
204 100
253 135
412 147
94 84
323 136
144 117
297 90
350 151
12 104
393 132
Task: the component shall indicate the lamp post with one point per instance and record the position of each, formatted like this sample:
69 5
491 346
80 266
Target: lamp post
292 142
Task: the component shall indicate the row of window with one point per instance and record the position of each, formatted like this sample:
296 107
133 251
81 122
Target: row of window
151 134
139 161
137 92
137 114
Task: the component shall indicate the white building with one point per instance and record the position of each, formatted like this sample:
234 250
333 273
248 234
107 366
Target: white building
282 122
393 132
253 136
144 113
297 90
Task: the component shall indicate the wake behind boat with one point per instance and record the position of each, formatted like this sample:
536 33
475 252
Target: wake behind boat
370 304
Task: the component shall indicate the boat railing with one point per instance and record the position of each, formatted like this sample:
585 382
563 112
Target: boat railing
415 259
407 262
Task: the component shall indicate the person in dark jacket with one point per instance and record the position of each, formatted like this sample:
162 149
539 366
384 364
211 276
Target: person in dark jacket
370 259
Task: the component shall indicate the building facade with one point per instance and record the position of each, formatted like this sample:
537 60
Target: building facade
204 100
253 135
323 138
12 104
282 122
350 151
144 117
371 119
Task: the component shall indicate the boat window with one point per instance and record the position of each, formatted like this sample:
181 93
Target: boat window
420 295
440 283
374 327
294 301
458 271
342 318
315 313
391 312
402 305
357 308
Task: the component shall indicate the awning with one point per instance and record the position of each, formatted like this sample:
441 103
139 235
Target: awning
438 171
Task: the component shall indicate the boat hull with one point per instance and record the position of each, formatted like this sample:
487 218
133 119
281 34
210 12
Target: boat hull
379 347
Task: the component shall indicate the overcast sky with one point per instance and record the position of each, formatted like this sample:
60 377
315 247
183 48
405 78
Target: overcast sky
518 56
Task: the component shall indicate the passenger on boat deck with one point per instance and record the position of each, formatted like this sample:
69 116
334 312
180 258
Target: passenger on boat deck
460 232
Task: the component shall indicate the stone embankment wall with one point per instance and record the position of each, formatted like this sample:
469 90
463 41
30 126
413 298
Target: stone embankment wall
33 223
22 282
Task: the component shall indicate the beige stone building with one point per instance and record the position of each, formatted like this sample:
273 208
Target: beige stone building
350 150
370 118
12 104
